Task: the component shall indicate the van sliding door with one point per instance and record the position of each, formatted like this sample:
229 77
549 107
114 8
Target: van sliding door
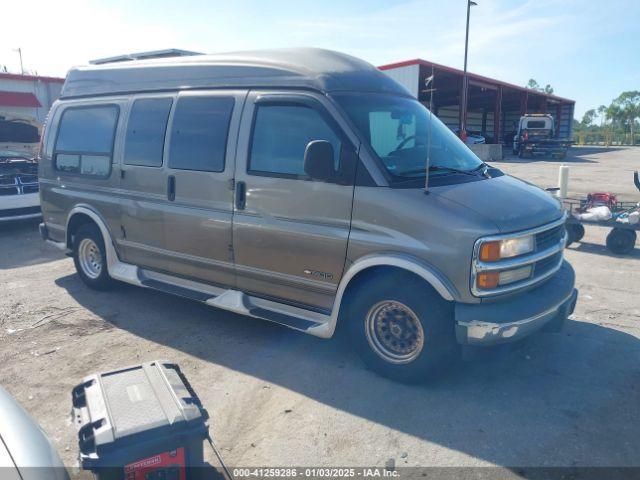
200 164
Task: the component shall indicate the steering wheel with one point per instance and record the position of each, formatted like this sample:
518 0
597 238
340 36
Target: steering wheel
404 142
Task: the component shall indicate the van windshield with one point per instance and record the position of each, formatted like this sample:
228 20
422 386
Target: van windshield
397 129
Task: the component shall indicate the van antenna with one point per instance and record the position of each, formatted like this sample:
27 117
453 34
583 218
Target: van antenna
429 81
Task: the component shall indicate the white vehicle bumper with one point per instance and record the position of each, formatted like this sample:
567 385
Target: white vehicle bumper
19 207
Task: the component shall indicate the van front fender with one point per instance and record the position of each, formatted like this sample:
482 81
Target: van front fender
404 262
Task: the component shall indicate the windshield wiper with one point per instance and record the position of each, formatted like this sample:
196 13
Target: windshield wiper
437 168
482 165
442 168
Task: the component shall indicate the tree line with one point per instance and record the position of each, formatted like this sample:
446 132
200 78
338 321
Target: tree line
622 116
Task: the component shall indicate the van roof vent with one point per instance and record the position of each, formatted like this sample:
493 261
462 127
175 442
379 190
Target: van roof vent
169 52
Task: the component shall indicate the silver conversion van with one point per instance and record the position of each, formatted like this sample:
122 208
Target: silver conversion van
289 185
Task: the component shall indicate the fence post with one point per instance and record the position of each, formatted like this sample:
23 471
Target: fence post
563 181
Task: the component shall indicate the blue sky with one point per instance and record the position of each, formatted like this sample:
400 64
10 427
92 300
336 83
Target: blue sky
587 50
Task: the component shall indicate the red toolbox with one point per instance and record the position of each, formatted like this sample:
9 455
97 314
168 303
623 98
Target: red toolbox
143 422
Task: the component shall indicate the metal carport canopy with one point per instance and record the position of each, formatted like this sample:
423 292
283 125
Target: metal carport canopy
493 103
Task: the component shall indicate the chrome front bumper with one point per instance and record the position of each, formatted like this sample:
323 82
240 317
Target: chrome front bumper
501 321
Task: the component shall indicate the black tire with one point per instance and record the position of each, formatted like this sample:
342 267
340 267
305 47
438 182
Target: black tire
435 315
91 233
621 241
575 232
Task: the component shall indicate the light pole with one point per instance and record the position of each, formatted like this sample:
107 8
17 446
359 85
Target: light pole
465 80
19 50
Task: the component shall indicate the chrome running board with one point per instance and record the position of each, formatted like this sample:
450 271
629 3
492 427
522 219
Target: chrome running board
313 323
296 318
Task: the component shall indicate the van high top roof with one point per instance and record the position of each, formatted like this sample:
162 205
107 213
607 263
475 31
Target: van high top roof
306 68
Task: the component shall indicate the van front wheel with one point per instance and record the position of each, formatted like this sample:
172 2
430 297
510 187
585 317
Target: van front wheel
402 328
90 258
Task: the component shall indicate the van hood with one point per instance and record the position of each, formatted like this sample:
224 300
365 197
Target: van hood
512 204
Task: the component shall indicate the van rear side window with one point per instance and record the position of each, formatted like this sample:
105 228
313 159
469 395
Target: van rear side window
85 140
199 133
144 143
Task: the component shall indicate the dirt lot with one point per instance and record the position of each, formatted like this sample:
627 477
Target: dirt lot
590 169
280 398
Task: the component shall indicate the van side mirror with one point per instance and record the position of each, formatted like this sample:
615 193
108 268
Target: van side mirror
318 160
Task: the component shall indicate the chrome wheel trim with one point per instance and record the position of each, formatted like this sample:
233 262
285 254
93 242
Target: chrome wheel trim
90 258
394 332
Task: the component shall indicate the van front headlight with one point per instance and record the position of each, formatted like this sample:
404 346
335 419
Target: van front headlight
495 250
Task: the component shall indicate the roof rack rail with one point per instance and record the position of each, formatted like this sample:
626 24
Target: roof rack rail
169 52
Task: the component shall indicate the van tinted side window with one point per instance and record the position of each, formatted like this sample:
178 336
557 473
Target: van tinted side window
199 133
85 140
281 135
144 142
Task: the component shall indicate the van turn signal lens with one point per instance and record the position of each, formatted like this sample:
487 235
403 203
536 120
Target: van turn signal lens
488 280
490 251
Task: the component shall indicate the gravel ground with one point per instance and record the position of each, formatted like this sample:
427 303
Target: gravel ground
280 398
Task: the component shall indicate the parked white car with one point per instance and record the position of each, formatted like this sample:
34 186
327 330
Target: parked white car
473 138
19 197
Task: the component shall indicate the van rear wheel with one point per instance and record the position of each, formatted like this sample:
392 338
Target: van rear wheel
402 328
90 258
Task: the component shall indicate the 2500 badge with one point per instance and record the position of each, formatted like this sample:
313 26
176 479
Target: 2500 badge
318 274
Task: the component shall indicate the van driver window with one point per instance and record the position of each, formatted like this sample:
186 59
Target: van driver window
85 140
281 135
144 142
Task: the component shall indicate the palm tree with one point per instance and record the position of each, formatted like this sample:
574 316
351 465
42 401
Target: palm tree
602 113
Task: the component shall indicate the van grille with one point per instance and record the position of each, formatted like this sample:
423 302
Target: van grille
547 264
549 237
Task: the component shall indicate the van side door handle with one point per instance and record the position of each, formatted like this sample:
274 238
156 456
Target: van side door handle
241 195
171 188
